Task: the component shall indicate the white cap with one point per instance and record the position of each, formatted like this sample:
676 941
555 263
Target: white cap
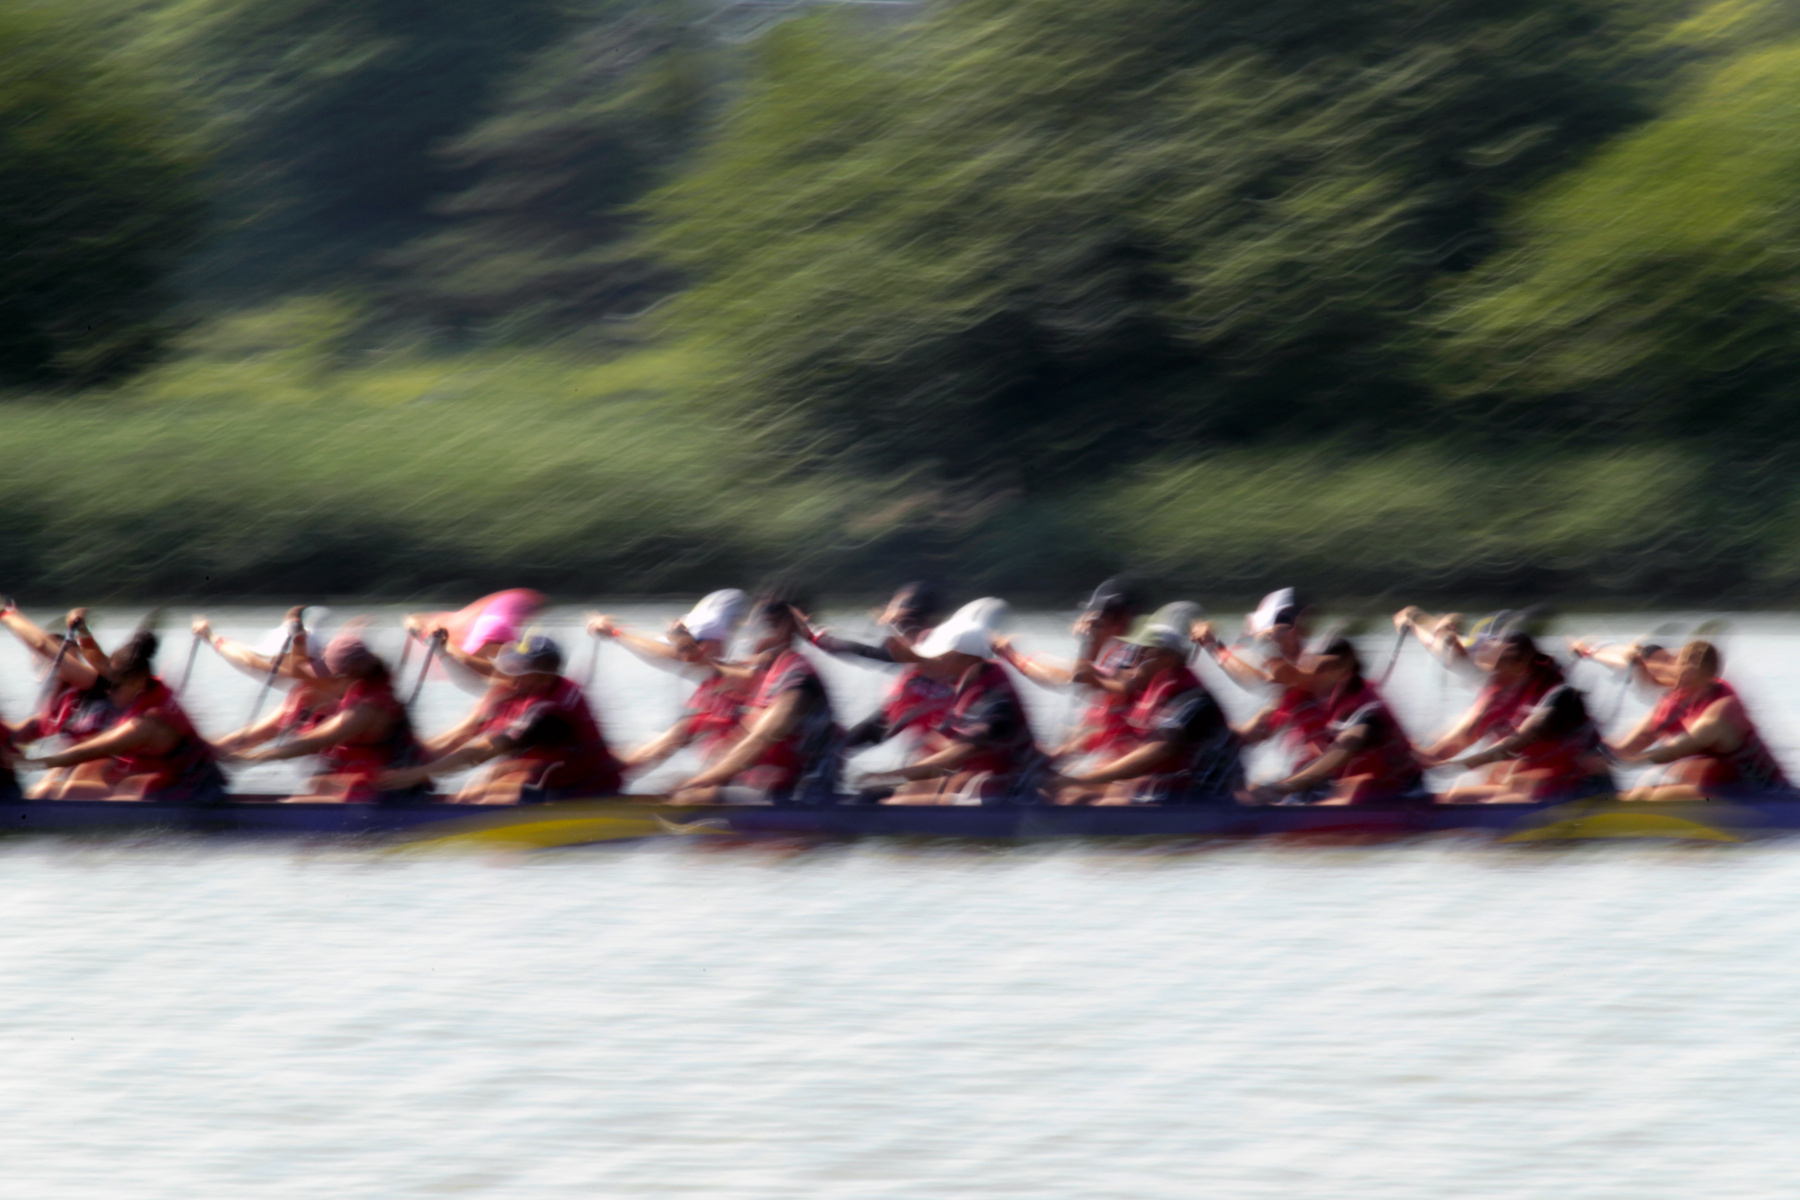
717 616
1263 619
970 630
311 618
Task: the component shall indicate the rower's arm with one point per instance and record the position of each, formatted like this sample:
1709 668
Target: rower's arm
1047 675
1327 765
1145 760
1719 730
251 735
1242 672
73 670
660 747
653 650
472 754
1460 738
1257 729
944 762
356 722
770 728
120 739
1637 739
453 738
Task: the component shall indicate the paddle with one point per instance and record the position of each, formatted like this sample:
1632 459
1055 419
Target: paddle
1400 639
49 688
287 643
593 664
405 653
431 651
187 668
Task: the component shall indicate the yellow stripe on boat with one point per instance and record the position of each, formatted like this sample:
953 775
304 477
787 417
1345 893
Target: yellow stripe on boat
550 826
1622 821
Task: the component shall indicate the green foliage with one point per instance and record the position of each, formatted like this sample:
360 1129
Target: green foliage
325 117
1029 239
584 129
98 202
1657 289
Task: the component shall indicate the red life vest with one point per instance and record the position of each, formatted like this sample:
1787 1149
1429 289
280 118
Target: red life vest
1178 710
988 714
1387 758
1502 706
1106 723
1751 765
557 728
189 762
916 701
715 715
302 712
366 757
1305 722
807 757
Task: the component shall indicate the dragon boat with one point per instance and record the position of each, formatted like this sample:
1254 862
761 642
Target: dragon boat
633 818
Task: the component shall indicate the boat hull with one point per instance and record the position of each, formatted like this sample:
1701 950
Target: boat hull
630 818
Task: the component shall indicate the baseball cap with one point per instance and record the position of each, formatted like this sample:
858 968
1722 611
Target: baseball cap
531 654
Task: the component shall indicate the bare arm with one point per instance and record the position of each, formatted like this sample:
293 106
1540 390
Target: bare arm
120 739
660 747
1046 675
770 728
360 721
1143 761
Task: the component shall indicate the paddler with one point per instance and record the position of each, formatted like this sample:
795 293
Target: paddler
989 754
919 699
1551 752
369 734
791 751
1517 678
1277 627
313 692
1370 758
1703 734
1103 658
537 729
155 750
698 643
1186 751
78 703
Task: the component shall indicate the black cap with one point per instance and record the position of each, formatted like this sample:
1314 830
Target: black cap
534 654
1119 596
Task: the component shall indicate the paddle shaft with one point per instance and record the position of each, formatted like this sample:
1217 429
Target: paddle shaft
49 688
593 664
187 668
431 651
287 643
1399 645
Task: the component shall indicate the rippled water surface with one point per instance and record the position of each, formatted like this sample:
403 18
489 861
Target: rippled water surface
1432 1019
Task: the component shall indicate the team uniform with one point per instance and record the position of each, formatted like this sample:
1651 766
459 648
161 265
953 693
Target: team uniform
1749 768
987 714
362 761
1106 723
1178 711
188 771
916 703
803 767
1385 768
557 733
715 716
1567 760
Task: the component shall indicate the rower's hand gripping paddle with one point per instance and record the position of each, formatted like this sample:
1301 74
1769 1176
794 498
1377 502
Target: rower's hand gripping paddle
287 644
49 688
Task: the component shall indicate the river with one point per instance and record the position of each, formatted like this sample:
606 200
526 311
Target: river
192 1019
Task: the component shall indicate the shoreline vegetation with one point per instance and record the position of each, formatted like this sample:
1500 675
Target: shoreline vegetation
1393 300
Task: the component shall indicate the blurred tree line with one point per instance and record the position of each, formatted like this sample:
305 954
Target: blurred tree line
991 251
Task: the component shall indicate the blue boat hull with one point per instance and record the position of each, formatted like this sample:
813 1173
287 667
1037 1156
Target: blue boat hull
583 822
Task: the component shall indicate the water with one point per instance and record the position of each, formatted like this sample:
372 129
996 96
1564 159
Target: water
191 1019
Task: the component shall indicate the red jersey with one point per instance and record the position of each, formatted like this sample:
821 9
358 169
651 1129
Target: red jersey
807 758
188 764
1106 723
1386 757
366 757
715 715
1305 722
76 713
916 702
558 729
988 714
1751 765
1178 711
303 711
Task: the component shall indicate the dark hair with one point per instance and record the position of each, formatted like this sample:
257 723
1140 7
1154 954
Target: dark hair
137 656
1120 596
920 603
1342 647
1538 664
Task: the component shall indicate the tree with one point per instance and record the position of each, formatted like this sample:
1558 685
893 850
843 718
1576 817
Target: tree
98 202
1035 236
